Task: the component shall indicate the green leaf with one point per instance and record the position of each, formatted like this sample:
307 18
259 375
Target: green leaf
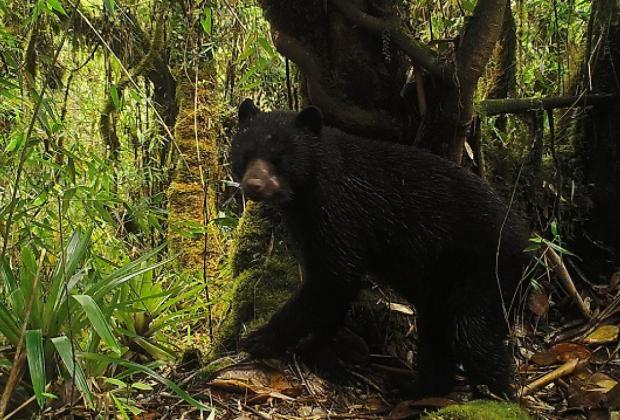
110 5
142 386
207 21
266 46
137 367
116 382
8 326
116 100
554 228
55 5
97 319
65 350
16 142
119 405
74 254
36 363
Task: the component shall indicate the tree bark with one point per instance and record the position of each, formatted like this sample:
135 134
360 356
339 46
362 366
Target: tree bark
354 55
597 142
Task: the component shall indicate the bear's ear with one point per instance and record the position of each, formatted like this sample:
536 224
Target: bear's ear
247 110
310 118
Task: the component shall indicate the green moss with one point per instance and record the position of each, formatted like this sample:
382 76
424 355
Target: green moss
211 369
264 274
480 410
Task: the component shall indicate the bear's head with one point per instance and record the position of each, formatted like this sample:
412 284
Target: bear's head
272 153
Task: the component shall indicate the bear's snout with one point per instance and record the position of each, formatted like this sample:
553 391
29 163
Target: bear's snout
259 181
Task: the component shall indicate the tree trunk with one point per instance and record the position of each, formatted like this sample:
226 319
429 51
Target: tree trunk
193 193
597 140
354 53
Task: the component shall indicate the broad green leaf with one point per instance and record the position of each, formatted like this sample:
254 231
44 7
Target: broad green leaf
36 363
16 295
65 350
110 5
8 326
98 321
116 382
57 6
16 142
74 254
156 350
207 21
116 100
142 386
27 277
150 372
266 46
124 274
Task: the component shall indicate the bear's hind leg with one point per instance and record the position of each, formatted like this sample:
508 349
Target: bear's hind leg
481 342
436 361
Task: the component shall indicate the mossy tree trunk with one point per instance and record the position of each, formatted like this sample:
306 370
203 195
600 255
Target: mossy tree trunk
193 192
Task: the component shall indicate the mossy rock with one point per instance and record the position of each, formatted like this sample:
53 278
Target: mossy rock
480 410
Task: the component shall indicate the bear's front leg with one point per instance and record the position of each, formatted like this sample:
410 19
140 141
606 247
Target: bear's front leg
318 307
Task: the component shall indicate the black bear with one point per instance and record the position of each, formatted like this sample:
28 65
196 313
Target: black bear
354 206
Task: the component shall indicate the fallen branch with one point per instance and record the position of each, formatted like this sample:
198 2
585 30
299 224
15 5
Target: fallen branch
520 105
564 370
567 282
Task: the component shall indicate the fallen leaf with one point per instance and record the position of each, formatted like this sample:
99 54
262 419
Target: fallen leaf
614 280
239 386
539 303
433 402
399 307
570 351
613 397
603 334
603 382
545 358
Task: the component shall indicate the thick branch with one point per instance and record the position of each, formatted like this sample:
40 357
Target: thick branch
504 80
418 53
516 106
351 116
478 40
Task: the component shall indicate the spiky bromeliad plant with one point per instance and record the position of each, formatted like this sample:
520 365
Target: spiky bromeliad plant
71 310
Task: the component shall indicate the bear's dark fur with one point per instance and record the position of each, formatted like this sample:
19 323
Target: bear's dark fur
432 231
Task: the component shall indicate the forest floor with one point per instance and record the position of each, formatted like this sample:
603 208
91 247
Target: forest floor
567 367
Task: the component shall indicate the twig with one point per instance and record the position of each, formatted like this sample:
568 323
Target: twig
24 404
567 282
564 370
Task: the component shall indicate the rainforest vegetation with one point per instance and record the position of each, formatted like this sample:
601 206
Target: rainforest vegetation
131 264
